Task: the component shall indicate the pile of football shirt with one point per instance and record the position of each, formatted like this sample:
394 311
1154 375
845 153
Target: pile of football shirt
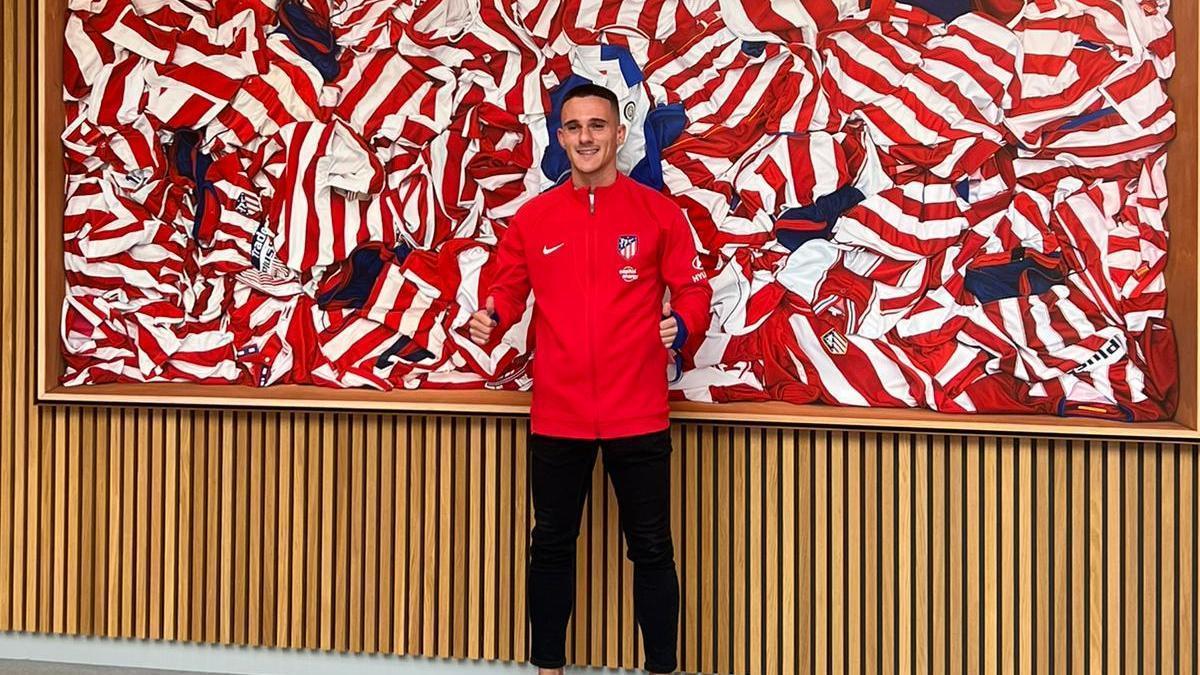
951 205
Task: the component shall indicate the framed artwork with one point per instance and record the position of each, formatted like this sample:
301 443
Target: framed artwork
943 215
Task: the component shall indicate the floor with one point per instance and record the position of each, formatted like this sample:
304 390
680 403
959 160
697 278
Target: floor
8 667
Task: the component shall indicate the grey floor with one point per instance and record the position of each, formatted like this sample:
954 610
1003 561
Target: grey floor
8 667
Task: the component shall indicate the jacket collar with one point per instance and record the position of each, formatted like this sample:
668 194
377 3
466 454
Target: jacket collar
601 192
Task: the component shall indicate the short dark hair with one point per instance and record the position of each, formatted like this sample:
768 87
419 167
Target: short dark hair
590 89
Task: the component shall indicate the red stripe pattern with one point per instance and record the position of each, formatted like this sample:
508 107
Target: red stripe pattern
337 219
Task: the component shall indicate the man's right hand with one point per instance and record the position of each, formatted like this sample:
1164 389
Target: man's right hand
482 322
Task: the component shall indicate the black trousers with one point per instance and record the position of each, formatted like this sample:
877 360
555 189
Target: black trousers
640 470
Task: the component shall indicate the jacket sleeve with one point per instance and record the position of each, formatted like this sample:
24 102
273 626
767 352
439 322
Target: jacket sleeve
510 285
691 294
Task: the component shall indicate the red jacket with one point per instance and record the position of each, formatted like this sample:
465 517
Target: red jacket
597 262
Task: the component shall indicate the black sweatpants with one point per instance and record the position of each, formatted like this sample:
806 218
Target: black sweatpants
640 470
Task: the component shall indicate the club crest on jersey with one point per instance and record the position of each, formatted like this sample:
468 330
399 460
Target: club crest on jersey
247 204
629 273
630 108
627 246
835 342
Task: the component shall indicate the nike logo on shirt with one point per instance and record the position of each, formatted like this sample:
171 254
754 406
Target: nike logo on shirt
547 250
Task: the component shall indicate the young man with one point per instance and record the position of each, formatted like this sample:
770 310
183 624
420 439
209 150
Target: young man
597 252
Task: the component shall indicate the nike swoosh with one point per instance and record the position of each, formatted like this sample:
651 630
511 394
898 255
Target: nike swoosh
548 250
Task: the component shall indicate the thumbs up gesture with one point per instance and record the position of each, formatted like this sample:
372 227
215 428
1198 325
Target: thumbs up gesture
482 322
667 327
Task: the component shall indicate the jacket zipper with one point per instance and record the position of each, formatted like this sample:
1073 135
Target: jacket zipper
589 270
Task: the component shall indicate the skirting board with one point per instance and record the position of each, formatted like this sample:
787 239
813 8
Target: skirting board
236 660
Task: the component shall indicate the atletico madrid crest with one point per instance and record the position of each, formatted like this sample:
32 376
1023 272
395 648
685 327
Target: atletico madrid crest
835 342
627 246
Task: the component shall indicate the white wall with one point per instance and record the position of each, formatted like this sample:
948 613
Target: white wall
242 660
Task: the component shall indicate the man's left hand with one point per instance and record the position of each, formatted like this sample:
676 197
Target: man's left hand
667 328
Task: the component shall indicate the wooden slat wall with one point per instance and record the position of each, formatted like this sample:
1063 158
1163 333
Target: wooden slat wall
800 551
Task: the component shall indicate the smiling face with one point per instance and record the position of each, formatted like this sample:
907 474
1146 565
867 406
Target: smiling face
591 135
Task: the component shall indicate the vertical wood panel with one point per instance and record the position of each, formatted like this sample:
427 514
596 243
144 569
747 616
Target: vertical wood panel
1131 556
1007 630
725 570
491 539
822 550
887 517
1093 457
522 520
459 535
267 508
956 541
350 540
186 506
475 456
431 541
754 552
508 528
701 441
129 559
839 598
420 487
1024 489
939 600
685 473
297 599
740 621
1149 625
70 522
312 616
922 551
393 564
972 635
1076 572
170 568
222 524
1060 544
1166 538
791 559
9 108
870 573
853 545
1113 549
906 538
1185 566
990 574
922 500
328 576
99 525
770 603
1043 559
56 538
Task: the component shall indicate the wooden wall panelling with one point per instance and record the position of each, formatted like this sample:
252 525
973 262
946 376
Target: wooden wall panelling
943 549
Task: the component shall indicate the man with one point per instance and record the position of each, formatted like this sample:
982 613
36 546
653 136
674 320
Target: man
597 252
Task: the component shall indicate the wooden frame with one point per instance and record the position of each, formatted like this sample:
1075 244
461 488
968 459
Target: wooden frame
1183 276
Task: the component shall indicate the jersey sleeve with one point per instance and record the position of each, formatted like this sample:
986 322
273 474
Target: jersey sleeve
691 295
510 286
